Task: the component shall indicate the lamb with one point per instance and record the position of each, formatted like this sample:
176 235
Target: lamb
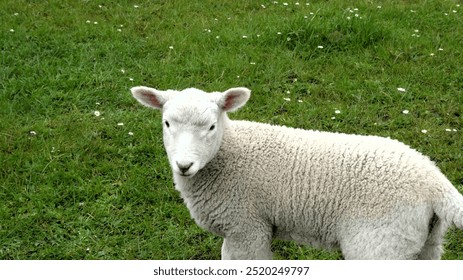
371 197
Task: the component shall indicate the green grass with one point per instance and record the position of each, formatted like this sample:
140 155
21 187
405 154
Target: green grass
74 185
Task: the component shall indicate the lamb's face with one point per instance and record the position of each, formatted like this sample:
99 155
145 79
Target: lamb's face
193 129
193 123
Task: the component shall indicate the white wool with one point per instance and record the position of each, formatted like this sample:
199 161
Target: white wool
371 197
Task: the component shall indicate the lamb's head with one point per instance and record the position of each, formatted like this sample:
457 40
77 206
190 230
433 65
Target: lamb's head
193 122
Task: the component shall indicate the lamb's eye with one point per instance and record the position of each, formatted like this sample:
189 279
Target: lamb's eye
167 123
212 127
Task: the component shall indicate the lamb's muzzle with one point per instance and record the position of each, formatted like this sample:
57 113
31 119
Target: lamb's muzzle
184 167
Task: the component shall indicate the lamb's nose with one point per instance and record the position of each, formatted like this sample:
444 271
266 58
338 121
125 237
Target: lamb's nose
184 166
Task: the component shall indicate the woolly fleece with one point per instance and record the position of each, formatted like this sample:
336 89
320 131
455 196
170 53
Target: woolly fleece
370 197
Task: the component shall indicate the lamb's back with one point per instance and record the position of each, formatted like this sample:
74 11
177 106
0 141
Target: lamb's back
312 172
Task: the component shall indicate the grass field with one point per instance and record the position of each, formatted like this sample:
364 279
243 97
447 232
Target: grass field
83 173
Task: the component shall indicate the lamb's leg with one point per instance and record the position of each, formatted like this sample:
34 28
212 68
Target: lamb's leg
432 249
251 247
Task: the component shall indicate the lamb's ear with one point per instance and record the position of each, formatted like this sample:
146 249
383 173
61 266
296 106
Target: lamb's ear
233 98
150 97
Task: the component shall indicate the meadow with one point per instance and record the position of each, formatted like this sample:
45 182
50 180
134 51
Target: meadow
83 173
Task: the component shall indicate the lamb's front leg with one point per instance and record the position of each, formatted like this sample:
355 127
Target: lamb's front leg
252 246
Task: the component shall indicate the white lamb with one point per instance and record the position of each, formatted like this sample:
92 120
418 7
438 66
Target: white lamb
249 182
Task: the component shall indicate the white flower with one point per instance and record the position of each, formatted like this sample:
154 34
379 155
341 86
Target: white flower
401 89
424 131
253 63
244 37
123 71
97 113
440 49
287 99
171 47
120 124
11 30
131 79
337 111
320 47
300 101
32 133
136 6
130 133
448 130
405 112
333 118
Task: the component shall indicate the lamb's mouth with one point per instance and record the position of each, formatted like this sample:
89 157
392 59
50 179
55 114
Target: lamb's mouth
186 174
